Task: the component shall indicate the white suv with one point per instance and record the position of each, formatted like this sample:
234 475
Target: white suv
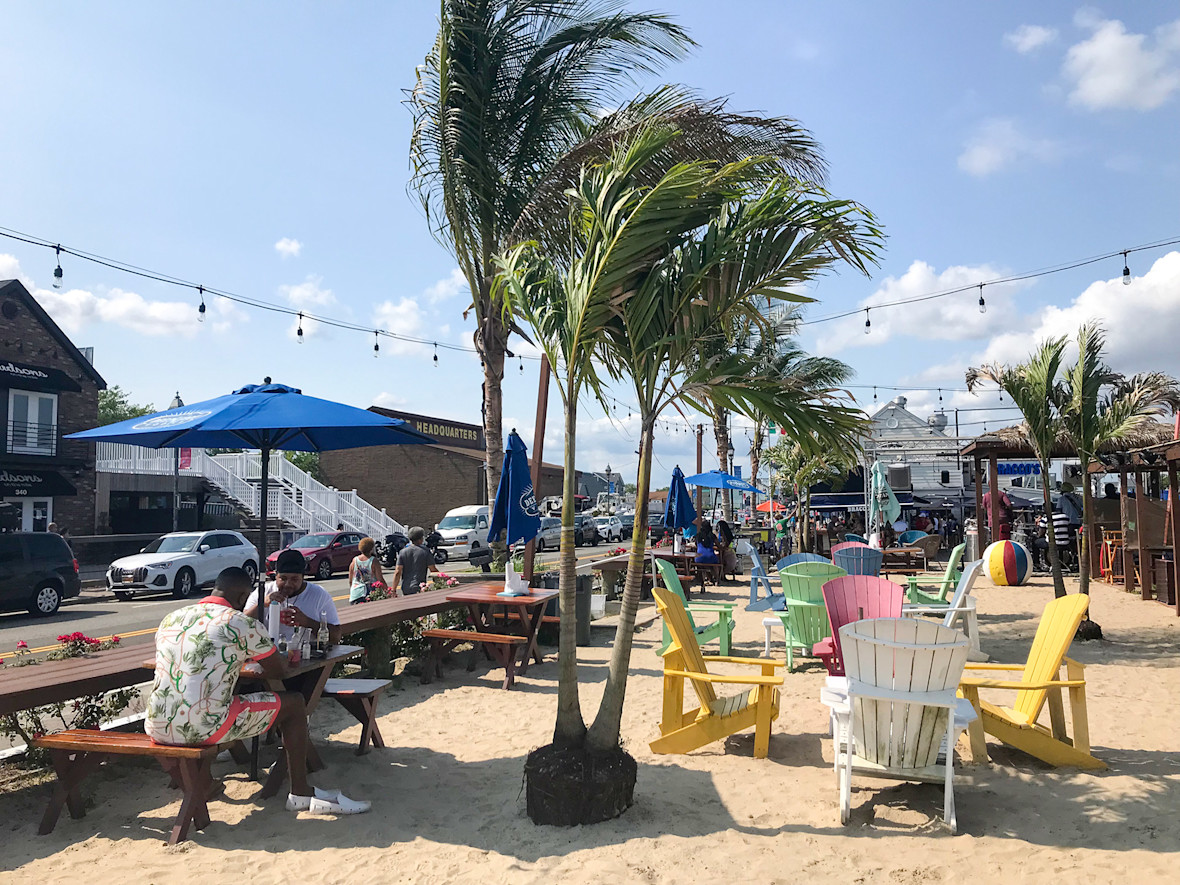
610 528
181 562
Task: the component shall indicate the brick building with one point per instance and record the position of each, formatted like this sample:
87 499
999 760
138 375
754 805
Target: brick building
48 389
417 485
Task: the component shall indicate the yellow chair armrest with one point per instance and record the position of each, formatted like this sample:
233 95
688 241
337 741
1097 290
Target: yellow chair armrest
753 662
971 666
1020 686
731 680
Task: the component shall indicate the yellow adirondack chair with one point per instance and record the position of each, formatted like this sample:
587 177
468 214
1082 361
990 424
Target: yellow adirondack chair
1038 682
716 717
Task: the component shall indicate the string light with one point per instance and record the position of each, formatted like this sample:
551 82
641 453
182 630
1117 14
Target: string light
521 364
436 354
201 309
1126 271
376 344
57 271
874 394
868 322
940 394
982 303
299 329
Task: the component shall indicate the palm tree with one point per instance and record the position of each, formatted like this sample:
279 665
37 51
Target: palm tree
509 88
1102 408
1036 390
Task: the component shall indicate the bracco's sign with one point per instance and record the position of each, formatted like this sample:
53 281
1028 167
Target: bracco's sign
25 377
23 483
1031 468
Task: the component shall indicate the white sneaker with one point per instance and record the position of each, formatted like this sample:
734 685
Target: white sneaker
298 803
340 805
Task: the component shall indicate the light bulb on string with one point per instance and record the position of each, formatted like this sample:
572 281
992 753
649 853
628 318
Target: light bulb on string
868 322
1126 271
436 354
201 309
376 344
521 364
982 303
940 394
57 271
299 329
874 394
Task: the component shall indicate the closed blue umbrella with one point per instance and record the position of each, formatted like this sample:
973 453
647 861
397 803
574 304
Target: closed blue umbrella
882 503
515 510
679 512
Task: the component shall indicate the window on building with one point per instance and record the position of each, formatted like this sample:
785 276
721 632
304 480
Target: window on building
32 423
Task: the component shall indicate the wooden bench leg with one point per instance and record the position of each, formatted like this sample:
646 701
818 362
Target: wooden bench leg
193 809
70 773
364 710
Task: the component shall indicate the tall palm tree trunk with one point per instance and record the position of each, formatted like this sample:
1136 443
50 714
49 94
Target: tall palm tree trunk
721 437
604 733
1084 539
1051 537
491 344
570 730
756 453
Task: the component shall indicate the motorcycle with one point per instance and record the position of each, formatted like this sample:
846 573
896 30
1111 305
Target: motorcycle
390 547
432 541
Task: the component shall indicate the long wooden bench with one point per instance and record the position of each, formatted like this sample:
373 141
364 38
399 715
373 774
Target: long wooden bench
359 697
79 751
501 647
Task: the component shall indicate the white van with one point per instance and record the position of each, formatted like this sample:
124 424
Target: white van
463 530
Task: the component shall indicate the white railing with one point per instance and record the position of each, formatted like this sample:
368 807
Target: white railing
295 496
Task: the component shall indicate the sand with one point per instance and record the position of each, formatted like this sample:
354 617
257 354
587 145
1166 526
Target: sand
448 806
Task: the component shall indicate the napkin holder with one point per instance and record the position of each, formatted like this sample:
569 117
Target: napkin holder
514 584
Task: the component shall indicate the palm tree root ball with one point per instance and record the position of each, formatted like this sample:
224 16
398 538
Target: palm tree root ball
568 786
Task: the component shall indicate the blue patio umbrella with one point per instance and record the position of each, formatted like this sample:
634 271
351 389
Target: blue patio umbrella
679 512
263 416
719 479
515 510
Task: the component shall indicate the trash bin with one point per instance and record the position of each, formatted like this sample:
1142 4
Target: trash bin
582 608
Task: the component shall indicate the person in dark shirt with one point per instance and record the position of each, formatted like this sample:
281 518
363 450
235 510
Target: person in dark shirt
413 563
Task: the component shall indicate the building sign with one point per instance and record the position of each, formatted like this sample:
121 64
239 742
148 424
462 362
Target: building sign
20 482
1023 468
442 431
25 377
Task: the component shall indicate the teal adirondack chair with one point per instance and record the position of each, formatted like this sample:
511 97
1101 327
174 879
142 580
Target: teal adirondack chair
721 628
936 595
805 620
848 536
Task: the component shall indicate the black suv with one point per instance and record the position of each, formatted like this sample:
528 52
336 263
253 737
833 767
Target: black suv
588 528
37 571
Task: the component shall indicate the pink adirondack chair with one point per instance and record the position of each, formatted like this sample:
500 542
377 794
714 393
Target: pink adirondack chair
843 545
855 598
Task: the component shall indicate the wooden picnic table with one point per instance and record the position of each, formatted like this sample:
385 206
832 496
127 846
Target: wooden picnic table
484 598
900 558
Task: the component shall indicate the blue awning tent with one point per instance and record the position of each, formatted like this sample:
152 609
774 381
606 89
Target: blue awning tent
849 500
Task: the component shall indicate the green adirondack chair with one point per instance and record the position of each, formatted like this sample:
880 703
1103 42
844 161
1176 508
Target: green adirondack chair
805 620
721 628
937 595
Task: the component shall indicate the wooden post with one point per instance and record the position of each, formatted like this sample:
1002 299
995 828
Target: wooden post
700 464
1173 499
1141 492
993 490
979 506
1093 536
1124 518
530 549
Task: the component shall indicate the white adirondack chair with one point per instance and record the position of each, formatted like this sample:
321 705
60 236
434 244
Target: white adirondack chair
899 705
959 612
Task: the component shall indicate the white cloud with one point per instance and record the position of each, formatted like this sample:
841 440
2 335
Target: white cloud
998 143
954 317
1026 38
448 287
389 400
288 247
403 317
307 296
1114 69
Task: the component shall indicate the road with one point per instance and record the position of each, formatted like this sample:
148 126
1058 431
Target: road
137 619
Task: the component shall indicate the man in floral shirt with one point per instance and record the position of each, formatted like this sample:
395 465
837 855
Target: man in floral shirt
200 651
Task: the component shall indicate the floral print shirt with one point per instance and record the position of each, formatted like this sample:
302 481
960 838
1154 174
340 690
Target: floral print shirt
200 650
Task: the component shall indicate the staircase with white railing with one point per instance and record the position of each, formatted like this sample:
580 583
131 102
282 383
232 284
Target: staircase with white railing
295 498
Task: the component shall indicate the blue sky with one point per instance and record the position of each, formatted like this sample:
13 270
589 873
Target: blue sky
989 139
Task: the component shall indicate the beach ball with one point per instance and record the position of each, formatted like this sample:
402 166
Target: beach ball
1007 563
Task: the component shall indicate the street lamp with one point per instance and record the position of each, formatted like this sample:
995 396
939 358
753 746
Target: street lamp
730 463
177 403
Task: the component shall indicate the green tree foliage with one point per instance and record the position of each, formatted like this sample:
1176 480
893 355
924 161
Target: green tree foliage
115 405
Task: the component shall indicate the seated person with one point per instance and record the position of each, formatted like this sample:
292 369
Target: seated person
706 541
308 601
725 551
200 653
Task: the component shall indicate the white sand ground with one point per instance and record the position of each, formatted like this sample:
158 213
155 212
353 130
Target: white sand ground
448 805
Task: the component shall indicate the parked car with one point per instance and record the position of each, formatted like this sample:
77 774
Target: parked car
463 530
655 527
37 571
323 553
589 528
182 562
610 528
628 521
549 538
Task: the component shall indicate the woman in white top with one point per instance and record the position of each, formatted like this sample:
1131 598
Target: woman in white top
364 569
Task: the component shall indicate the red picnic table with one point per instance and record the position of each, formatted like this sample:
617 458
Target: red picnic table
497 638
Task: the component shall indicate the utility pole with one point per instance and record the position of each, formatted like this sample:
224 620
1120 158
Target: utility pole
700 467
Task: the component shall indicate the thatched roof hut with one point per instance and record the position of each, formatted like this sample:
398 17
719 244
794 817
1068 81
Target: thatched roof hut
1012 442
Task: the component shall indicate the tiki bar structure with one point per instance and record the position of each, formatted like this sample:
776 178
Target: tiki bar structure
1133 532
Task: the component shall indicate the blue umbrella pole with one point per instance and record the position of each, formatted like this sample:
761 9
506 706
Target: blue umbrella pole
261 581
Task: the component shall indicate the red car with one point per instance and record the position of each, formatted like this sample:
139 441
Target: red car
323 553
